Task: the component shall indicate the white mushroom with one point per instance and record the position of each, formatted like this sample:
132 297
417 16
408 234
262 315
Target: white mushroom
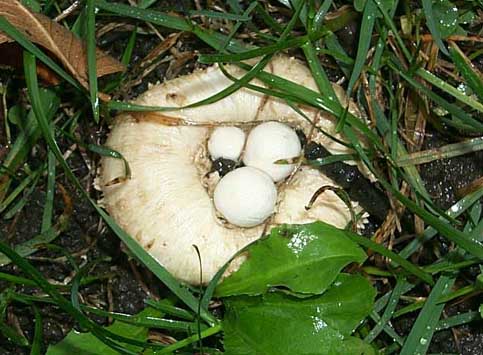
226 142
245 197
166 205
269 142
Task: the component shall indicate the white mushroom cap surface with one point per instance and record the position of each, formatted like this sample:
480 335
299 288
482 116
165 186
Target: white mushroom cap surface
166 206
245 196
226 142
269 142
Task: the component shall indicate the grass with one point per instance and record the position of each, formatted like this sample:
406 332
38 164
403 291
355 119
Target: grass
385 74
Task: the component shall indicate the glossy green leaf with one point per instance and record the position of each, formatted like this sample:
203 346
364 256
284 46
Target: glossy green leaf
280 324
304 258
76 343
446 17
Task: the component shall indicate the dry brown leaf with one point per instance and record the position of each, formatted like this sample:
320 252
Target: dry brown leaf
63 44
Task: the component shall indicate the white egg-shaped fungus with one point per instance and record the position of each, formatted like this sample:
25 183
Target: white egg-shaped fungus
269 142
226 142
167 204
245 196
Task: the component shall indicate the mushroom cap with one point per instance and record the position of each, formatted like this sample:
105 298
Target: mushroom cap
167 203
226 142
245 196
269 142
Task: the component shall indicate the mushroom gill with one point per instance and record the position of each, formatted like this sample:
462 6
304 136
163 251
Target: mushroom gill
166 205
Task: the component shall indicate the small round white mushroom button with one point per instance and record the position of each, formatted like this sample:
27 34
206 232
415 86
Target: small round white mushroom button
226 142
245 197
269 142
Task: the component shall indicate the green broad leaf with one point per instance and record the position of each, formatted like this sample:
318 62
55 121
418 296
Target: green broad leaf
276 323
304 258
76 343
481 310
446 17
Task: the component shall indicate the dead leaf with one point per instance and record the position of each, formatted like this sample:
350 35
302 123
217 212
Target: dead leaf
63 44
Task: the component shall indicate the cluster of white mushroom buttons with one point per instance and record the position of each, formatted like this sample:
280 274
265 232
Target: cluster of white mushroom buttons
247 196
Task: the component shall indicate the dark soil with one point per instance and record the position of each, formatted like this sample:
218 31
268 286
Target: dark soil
443 178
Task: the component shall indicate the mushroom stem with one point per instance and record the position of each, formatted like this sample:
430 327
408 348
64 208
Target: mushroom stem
359 188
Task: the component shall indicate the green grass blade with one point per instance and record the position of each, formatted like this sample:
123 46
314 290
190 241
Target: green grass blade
332 159
210 289
466 290
50 195
390 23
448 265
253 53
383 300
335 50
18 190
267 18
31 132
155 17
320 14
192 339
457 320
213 39
143 321
220 15
406 265
451 108
144 4
12 335
467 70
91 57
445 152
36 348
31 246
454 211
125 59
422 331
167 308
431 23
17 279
235 6
21 203
387 329
396 293
443 85
469 244
367 26
318 73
